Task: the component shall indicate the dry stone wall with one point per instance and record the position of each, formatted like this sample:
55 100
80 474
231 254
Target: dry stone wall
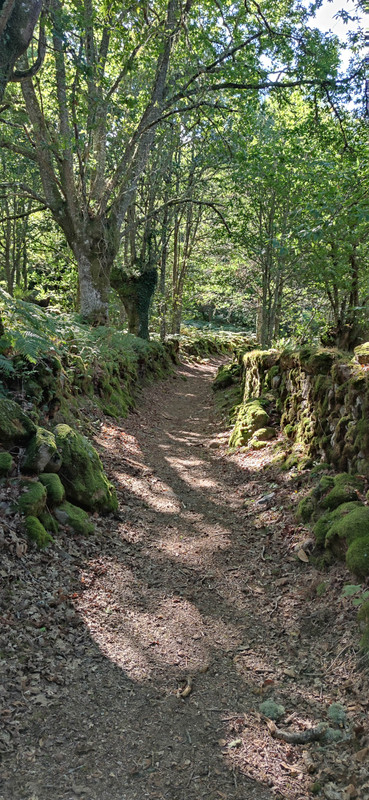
322 397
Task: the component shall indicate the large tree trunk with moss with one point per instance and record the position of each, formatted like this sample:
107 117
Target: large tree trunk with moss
94 285
136 292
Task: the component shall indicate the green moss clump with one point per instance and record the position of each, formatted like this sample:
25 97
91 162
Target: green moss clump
337 714
316 361
76 518
362 353
357 557
82 472
251 417
54 487
291 461
305 509
6 464
325 484
256 445
42 453
331 518
264 434
289 430
344 479
272 710
49 522
33 501
319 468
341 493
36 532
15 426
226 376
349 527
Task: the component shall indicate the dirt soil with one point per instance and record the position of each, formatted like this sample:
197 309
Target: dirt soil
135 661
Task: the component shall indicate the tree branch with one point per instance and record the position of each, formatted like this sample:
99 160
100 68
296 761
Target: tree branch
20 75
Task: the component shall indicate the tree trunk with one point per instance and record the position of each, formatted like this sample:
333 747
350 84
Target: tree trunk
18 18
94 285
135 294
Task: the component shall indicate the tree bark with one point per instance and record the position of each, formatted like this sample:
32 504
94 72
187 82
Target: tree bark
18 19
136 294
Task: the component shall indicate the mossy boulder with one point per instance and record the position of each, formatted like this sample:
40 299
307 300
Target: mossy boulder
49 522
32 502
362 353
305 509
37 533
54 487
82 472
330 518
338 495
344 490
251 416
42 453
226 376
357 556
348 527
316 361
76 518
264 434
345 479
15 426
6 464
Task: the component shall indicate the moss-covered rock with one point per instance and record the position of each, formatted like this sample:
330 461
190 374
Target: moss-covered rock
251 417
347 528
76 518
82 472
32 501
49 522
6 464
341 493
227 375
305 509
357 557
54 487
15 426
42 453
362 353
325 522
344 479
37 533
325 484
264 434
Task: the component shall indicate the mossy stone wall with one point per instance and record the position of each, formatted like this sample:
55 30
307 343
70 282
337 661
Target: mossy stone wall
323 400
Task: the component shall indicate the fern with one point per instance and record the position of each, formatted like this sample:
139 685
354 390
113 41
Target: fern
6 365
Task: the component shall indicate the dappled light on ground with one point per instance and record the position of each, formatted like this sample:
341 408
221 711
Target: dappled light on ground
184 613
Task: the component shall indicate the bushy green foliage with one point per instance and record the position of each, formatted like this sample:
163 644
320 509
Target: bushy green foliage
53 355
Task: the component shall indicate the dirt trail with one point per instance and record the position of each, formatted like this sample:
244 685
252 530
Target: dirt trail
176 624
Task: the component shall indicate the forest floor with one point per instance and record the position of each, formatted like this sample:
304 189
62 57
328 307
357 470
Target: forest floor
134 662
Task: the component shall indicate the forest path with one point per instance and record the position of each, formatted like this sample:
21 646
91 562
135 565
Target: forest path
194 611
